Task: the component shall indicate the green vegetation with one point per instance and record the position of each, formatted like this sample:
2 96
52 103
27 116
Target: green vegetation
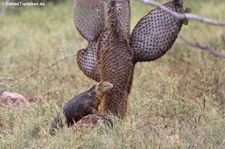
177 101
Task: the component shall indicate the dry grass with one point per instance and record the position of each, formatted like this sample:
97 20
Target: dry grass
177 101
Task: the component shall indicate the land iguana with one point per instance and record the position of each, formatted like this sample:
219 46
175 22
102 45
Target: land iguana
81 105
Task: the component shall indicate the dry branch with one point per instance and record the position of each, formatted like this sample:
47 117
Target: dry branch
184 15
40 69
196 18
202 47
47 66
6 78
223 38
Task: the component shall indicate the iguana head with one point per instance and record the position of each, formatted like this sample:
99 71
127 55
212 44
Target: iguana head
103 86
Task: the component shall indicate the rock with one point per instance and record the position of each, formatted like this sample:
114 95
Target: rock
16 98
91 120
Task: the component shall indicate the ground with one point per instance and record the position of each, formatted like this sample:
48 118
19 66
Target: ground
177 101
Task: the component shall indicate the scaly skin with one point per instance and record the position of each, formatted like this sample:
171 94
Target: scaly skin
85 103
81 105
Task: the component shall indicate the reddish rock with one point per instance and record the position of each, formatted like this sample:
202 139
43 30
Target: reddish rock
91 120
16 98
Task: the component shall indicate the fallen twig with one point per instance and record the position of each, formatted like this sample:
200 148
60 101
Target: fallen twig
223 38
47 66
40 69
184 15
6 78
202 47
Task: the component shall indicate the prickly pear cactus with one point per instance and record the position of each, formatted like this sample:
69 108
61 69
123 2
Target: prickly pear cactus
112 52
156 32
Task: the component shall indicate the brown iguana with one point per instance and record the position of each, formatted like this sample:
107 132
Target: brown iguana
81 105
85 103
